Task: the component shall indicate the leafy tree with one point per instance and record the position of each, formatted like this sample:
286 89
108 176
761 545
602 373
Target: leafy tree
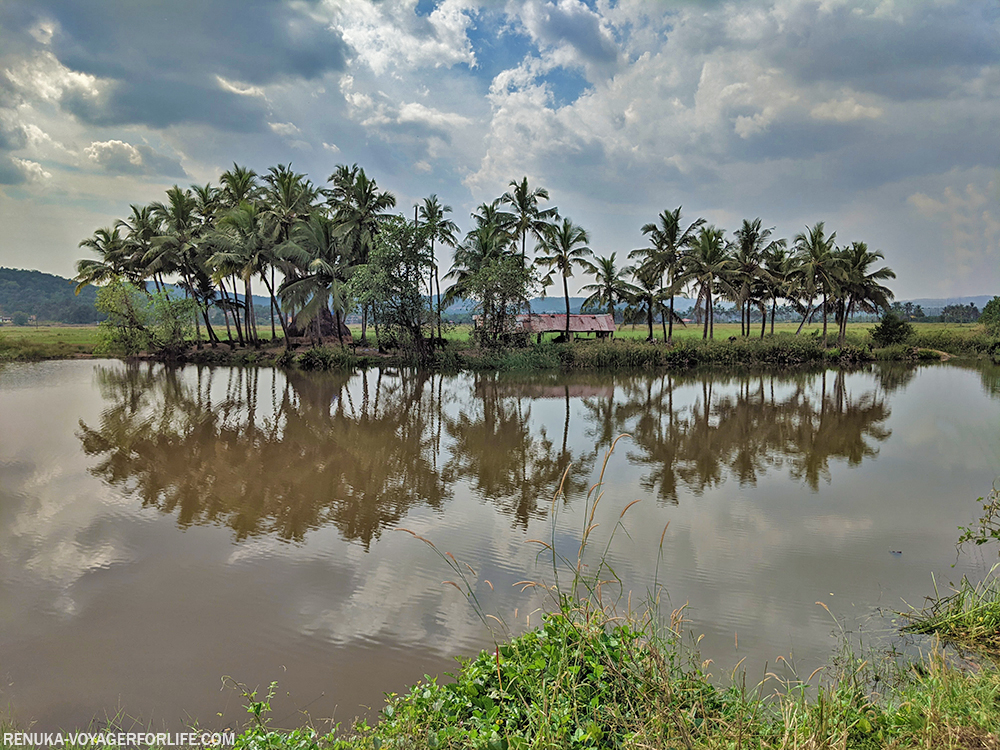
19 318
990 315
139 322
749 271
891 330
389 283
566 246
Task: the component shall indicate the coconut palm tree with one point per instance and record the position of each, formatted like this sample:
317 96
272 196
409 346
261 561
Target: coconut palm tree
140 228
609 287
565 245
663 256
528 218
782 269
179 248
753 244
287 200
707 266
322 255
109 244
820 265
442 230
359 207
859 285
244 244
647 294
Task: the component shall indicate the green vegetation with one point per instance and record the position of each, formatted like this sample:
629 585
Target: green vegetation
328 251
48 298
968 617
891 330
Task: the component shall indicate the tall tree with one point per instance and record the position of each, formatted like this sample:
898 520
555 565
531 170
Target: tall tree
180 246
860 286
438 229
528 217
564 246
359 207
662 257
749 272
707 266
609 287
821 267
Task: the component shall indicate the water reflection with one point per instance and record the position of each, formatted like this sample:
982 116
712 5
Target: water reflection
271 453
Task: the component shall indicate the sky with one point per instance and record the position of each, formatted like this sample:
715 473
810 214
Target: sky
878 117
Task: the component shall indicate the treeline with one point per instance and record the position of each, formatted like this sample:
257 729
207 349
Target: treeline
339 248
44 297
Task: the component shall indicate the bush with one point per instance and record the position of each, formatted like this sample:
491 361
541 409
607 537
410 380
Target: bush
990 317
20 319
891 330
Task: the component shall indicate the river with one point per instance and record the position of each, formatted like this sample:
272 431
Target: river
161 529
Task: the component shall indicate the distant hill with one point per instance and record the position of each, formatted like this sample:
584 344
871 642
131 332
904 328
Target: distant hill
47 297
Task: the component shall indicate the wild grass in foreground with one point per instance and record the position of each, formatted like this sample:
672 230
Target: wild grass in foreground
968 617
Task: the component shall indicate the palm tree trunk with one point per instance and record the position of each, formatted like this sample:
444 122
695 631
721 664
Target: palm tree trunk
824 319
649 315
566 292
774 308
805 317
274 306
711 315
339 336
705 294
670 329
437 280
763 320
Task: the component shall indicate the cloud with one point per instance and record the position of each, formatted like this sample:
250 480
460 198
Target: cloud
119 157
390 34
844 110
575 34
969 217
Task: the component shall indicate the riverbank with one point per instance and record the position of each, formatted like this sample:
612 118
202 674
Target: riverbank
783 349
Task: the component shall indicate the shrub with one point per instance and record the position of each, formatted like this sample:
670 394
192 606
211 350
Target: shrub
990 317
891 330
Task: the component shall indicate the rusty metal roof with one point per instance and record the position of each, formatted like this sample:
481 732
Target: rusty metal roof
544 323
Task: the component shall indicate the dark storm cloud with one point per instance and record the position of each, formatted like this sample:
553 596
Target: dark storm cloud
164 56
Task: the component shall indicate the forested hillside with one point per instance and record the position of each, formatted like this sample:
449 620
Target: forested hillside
47 297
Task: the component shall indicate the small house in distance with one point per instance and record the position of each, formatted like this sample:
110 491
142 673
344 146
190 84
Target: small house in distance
602 326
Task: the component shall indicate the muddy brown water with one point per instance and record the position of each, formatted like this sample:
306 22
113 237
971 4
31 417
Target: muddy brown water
161 529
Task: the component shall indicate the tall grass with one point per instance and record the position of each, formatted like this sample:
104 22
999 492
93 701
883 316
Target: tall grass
969 616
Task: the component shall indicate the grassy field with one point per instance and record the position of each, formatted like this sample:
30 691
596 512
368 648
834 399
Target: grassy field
31 343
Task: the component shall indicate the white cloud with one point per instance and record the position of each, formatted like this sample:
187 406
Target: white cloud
331 147
33 171
389 34
240 88
114 154
844 110
416 112
44 77
284 129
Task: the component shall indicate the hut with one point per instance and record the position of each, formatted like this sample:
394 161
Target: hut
327 325
602 326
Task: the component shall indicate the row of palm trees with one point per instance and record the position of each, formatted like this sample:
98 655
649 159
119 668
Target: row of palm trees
753 270
302 242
